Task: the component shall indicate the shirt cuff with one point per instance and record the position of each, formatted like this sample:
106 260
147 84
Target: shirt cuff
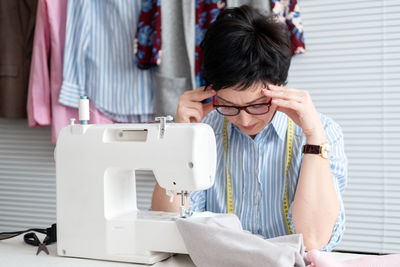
337 232
70 94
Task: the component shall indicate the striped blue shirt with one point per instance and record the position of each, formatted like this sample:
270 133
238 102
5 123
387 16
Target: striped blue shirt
257 171
99 59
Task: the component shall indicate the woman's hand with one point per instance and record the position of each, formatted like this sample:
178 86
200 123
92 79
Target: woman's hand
190 108
297 104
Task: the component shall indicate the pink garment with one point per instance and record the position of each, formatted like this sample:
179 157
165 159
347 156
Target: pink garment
46 71
324 259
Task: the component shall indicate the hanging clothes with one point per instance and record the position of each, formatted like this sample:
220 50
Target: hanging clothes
148 34
149 26
183 72
17 24
178 55
175 73
289 12
98 55
263 5
46 71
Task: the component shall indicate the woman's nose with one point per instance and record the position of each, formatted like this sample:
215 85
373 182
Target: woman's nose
244 118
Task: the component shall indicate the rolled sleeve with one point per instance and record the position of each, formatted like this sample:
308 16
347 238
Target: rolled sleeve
338 230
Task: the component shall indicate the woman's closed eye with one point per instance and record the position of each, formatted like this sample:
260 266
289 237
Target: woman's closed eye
257 106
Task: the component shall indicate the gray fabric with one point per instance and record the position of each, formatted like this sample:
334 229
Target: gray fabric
220 241
263 5
189 18
176 71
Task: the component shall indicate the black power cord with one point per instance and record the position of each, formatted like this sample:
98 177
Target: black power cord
32 239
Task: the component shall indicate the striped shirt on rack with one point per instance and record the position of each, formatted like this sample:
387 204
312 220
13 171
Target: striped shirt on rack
99 59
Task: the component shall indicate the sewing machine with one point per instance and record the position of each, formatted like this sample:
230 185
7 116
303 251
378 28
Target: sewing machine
97 215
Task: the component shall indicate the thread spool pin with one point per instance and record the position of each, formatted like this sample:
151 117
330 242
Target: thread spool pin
84 115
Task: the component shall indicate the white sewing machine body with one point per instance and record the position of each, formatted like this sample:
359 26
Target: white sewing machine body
97 215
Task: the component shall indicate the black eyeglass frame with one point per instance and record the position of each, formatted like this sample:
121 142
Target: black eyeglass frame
245 108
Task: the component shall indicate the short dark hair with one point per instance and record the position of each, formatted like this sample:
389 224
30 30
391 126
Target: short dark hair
243 47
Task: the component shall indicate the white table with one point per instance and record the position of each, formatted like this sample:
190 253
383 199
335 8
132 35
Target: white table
15 253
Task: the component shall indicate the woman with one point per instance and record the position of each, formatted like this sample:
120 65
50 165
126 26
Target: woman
246 62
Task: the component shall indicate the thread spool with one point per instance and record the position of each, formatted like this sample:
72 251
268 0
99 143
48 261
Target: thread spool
84 115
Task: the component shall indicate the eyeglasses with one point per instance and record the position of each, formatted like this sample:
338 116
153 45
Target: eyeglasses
256 109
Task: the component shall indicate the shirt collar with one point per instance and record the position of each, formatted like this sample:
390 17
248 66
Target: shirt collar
278 124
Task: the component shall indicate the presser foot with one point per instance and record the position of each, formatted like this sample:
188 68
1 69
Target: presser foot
182 210
184 213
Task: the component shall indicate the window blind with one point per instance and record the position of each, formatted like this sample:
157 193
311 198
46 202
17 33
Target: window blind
27 176
352 71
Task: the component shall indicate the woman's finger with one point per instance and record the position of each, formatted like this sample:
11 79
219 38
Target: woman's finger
292 94
276 88
290 105
199 94
193 115
195 105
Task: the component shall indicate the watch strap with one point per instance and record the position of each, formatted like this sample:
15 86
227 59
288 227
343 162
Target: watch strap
311 149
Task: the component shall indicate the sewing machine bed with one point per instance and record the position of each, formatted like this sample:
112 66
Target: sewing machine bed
156 215
14 253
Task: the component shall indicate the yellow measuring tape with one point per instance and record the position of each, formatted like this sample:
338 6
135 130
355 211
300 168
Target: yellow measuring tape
289 151
230 208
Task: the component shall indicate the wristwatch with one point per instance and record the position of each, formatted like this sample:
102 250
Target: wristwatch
324 150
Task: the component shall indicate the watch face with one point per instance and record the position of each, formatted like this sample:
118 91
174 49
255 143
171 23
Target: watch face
326 151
